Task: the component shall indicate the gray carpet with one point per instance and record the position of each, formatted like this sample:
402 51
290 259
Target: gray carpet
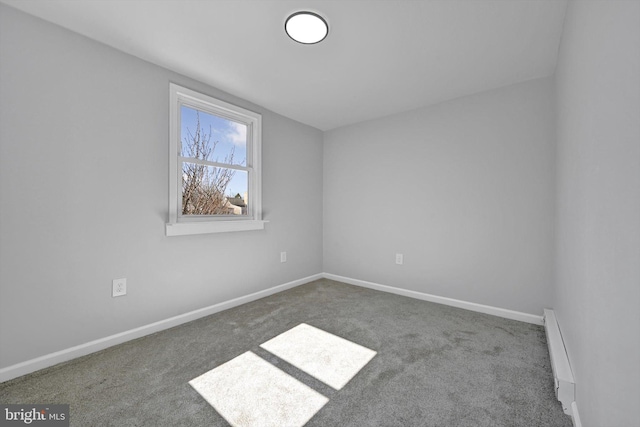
436 366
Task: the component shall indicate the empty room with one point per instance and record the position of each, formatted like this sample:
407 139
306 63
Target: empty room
320 213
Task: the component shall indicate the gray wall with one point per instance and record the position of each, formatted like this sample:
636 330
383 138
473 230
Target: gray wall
84 197
465 190
597 298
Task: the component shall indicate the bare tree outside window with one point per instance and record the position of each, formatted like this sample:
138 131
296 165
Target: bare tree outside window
204 187
215 159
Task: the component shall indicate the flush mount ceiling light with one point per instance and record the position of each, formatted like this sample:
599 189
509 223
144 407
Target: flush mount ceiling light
306 27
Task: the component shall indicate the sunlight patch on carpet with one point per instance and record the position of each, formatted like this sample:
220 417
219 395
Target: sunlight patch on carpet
326 357
249 391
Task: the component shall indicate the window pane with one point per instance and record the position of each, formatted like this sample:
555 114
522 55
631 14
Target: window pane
208 190
208 137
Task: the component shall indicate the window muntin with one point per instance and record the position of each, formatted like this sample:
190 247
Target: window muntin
214 163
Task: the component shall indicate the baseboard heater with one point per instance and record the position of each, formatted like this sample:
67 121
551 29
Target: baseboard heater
562 375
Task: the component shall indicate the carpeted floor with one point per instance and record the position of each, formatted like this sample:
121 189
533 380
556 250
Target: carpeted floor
435 366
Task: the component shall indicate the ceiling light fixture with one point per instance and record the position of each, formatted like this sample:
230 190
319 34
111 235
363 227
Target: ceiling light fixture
306 27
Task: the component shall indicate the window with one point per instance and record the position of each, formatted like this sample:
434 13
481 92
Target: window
215 182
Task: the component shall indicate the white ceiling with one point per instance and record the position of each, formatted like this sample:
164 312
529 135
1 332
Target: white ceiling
380 58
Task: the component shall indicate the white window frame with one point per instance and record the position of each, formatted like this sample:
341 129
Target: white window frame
178 224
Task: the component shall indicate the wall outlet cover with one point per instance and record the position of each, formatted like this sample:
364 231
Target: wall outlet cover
119 287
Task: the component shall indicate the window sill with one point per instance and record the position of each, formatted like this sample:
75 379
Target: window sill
187 228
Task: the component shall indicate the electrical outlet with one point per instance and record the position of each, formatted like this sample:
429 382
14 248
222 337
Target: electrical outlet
119 287
283 257
399 259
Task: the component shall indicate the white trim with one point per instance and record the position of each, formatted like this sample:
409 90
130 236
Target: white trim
487 309
179 96
564 385
51 359
187 228
174 152
574 415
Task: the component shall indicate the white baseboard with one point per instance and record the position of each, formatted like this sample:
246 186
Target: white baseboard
487 309
51 359
564 385
574 415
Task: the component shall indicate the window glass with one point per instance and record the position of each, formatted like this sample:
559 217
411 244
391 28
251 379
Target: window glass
211 190
215 150
209 137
